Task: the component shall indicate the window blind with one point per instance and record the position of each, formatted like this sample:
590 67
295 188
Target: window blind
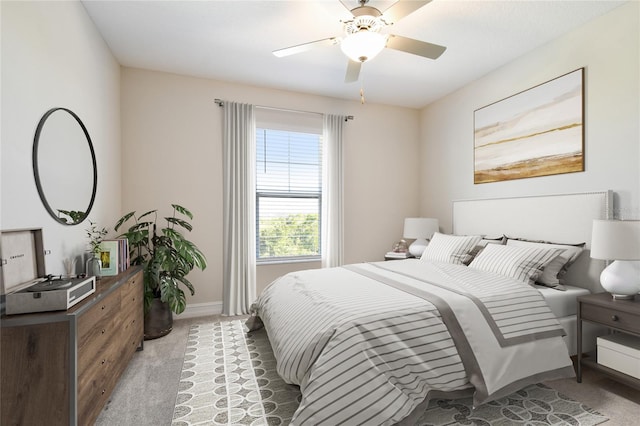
288 190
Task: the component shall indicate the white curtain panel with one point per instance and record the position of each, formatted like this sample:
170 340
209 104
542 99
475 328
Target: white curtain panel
332 200
239 287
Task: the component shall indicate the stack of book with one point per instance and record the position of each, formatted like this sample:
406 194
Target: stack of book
114 255
397 255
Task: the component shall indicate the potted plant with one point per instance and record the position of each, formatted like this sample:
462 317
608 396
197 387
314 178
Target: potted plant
167 258
96 236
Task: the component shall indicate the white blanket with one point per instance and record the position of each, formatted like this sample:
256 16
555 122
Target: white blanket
368 343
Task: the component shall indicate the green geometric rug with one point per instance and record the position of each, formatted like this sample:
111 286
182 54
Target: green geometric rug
229 378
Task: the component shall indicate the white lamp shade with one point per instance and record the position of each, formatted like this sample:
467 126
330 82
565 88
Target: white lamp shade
363 45
615 239
618 240
420 227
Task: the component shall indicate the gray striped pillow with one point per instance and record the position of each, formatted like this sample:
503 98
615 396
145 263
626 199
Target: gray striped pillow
522 263
450 248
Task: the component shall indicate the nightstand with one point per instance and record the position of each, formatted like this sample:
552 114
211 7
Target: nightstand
620 315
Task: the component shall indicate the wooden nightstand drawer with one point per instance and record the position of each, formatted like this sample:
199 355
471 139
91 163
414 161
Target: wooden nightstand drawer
611 318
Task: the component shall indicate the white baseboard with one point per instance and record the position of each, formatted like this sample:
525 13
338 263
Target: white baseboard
194 310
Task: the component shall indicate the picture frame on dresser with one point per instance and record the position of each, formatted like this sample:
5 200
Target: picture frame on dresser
110 257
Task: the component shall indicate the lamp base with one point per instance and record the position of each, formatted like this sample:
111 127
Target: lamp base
417 247
621 279
623 296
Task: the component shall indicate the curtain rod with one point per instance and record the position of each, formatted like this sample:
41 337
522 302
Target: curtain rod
220 103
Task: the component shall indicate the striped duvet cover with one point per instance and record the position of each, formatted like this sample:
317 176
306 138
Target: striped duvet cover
370 343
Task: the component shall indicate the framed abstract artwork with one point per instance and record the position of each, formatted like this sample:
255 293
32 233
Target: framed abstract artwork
538 132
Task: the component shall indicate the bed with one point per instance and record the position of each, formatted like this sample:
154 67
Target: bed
371 343
559 217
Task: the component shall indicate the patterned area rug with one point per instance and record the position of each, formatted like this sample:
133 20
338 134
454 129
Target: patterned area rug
229 378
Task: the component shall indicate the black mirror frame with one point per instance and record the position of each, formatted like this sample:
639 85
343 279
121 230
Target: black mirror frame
36 173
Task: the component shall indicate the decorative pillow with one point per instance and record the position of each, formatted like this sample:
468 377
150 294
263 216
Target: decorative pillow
482 244
553 272
522 263
450 248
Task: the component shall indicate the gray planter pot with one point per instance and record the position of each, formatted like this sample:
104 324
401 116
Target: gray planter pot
158 321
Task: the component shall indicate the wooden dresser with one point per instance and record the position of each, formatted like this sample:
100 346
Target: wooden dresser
59 368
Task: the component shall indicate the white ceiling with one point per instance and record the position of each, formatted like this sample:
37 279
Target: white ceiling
233 40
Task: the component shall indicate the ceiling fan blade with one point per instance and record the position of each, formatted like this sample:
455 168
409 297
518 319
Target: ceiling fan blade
416 47
353 71
306 46
401 9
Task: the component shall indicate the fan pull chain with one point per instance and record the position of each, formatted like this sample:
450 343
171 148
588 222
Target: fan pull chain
362 84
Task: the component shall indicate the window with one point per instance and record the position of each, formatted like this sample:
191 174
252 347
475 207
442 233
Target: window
288 194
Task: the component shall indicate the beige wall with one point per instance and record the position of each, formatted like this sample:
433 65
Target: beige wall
172 153
609 50
53 56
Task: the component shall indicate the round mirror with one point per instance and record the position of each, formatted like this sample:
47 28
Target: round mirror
64 166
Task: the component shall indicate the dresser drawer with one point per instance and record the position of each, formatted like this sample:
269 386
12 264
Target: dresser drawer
131 294
92 322
96 328
97 380
133 286
131 323
611 318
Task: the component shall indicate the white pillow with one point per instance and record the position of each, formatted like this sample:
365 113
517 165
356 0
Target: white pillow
522 263
450 248
482 244
552 273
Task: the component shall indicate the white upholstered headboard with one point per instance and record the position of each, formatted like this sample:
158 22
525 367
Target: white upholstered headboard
561 218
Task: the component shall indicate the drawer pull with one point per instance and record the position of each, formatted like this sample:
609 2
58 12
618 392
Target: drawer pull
102 307
103 361
614 318
103 391
103 331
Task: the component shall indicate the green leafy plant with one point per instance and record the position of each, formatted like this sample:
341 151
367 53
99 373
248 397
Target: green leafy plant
292 235
167 256
76 216
96 236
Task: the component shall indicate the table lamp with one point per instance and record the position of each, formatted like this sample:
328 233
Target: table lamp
618 240
422 229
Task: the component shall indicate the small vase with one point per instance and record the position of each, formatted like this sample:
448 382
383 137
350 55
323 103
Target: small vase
94 267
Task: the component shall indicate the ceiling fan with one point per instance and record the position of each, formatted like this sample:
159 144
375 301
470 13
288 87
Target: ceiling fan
364 38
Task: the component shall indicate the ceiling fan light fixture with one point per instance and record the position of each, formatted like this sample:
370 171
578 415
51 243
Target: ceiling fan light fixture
363 45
